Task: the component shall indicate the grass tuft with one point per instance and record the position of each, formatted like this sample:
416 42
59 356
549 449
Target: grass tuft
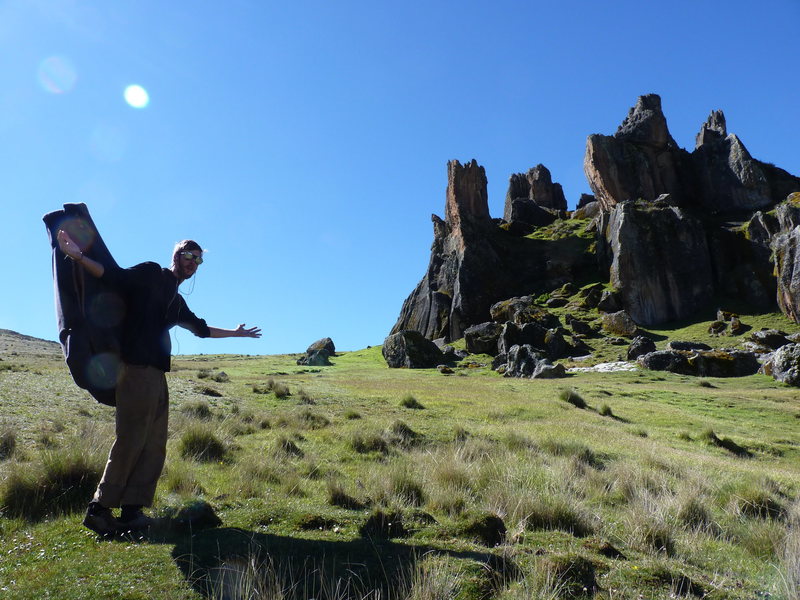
8 443
410 401
200 442
199 409
572 397
61 483
366 442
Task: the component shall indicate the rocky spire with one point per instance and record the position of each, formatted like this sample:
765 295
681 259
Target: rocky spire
646 124
467 203
712 130
641 160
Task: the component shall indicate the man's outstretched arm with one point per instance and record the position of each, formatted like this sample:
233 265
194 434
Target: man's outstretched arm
240 331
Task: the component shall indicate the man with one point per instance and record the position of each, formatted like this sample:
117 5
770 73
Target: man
153 306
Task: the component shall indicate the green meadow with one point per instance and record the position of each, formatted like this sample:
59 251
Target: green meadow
359 481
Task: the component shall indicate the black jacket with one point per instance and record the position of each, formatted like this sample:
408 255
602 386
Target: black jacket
152 307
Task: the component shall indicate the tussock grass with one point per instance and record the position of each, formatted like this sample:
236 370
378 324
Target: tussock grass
728 444
181 478
366 442
8 443
400 434
572 397
352 415
410 401
790 557
286 447
304 397
281 390
754 499
198 409
339 496
60 482
200 442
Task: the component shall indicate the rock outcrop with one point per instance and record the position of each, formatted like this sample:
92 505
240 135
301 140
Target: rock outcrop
475 264
661 266
640 161
409 349
536 187
673 230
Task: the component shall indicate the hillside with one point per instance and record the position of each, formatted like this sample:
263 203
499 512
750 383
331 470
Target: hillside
12 342
355 479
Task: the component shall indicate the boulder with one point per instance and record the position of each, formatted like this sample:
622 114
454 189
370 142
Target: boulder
619 323
639 346
686 346
512 334
770 338
590 296
609 302
323 344
665 360
482 339
410 349
522 310
578 326
785 364
554 344
499 362
723 363
525 361
556 302
660 262
713 363
588 211
522 361
316 358
547 370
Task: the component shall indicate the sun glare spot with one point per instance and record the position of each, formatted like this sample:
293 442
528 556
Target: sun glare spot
136 96
57 75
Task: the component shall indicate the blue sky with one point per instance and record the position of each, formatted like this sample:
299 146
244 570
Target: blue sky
305 144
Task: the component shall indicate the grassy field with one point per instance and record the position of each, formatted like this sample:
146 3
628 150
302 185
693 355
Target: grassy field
359 481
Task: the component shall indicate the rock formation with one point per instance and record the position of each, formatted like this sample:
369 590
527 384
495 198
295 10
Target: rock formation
661 264
673 229
641 160
474 263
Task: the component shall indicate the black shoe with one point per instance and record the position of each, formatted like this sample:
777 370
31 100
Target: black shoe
100 520
134 519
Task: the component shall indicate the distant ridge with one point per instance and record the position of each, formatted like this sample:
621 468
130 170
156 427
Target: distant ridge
11 341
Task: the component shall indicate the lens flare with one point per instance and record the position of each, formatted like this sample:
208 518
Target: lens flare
136 96
57 75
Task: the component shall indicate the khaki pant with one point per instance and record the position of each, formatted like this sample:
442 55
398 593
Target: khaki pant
137 456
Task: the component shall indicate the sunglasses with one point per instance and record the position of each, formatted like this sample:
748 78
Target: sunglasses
191 256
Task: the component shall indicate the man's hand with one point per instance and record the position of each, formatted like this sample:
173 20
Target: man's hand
240 331
253 332
67 246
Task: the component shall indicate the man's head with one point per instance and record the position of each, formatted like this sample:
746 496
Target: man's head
186 257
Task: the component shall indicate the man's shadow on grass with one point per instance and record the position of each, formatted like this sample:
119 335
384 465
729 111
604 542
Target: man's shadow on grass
229 563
